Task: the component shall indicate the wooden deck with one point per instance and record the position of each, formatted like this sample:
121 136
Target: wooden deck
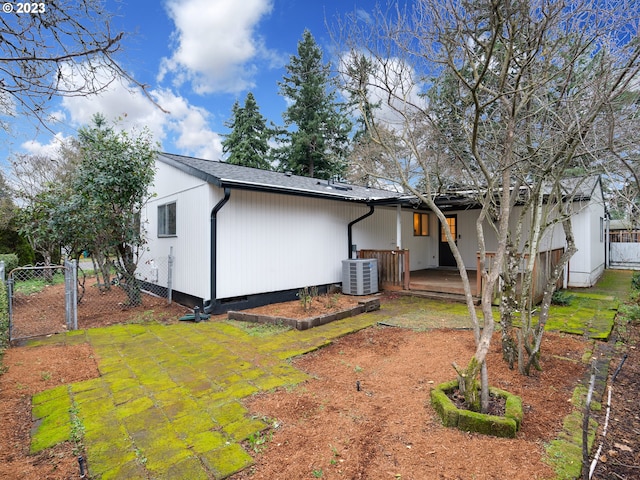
441 281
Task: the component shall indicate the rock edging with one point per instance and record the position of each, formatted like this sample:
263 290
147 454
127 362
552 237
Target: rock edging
469 421
365 305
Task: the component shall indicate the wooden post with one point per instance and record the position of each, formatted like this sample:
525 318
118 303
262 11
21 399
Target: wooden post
407 272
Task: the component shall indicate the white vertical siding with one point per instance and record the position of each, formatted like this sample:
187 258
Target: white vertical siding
378 232
191 243
269 242
586 266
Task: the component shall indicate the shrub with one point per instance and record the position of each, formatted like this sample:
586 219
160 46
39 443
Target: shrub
561 297
635 281
10 261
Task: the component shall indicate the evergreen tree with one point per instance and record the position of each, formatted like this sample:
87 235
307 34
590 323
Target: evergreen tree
247 144
316 146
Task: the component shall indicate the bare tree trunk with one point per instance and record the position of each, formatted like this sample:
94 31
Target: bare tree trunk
508 307
533 348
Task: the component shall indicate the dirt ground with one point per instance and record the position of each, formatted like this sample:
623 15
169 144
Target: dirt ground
329 429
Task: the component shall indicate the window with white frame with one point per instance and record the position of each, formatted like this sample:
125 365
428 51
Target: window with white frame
167 220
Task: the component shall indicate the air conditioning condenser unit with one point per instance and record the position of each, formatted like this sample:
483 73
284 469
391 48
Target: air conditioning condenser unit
360 276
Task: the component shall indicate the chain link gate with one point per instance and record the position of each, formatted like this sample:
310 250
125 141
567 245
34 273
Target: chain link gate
43 300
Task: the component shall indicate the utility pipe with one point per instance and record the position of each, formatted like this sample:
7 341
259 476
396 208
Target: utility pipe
214 250
350 229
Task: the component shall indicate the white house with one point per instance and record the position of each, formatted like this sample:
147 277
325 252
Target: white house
243 237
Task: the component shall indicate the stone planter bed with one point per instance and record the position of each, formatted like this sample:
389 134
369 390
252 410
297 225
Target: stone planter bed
469 421
365 305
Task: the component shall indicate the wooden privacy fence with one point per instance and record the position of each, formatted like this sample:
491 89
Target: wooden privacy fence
393 267
624 236
542 269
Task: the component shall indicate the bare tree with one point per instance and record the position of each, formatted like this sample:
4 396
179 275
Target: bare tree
496 96
61 48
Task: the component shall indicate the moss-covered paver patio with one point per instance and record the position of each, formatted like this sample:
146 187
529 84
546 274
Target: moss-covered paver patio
167 402
168 405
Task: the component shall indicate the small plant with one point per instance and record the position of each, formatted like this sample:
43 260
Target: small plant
630 312
148 316
45 376
317 473
77 430
358 369
306 297
562 298
258 441
635 281
332 300
140 457
334 458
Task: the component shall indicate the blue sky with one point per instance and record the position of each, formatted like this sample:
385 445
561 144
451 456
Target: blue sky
197 57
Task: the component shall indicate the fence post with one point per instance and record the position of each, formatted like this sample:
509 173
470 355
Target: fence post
74 294
67 295
170 275
10 302
71 294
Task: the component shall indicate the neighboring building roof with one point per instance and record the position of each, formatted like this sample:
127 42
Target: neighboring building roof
228 175
622 224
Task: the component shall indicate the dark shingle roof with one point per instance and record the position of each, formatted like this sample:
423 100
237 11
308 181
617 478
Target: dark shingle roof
224 174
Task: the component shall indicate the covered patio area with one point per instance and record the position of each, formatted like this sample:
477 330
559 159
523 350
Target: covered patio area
444 280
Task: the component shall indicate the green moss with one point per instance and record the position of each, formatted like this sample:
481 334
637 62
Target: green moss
206 441
48 395
467 420
565 453
131 470
229 413
268 382
565 458
49 436
135 407
242 429
445 408
51 410
228 460
189 467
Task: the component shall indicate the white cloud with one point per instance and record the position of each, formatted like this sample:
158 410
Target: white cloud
190 123
216 43
179 126
50 149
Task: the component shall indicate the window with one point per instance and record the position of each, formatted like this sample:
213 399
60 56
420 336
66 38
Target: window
167 220
451 221
420 225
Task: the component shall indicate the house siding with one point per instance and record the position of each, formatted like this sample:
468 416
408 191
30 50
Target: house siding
587 265
271 242
191 242
379 232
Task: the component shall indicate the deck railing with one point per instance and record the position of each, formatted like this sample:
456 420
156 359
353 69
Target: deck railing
393 268
542 269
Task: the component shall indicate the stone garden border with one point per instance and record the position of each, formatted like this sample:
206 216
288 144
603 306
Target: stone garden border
469 421
364 305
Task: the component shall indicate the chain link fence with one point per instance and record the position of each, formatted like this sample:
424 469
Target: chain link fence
45 300
38 304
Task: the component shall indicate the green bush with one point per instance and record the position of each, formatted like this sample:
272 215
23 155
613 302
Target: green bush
562 298
635 281
630 312
10 262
